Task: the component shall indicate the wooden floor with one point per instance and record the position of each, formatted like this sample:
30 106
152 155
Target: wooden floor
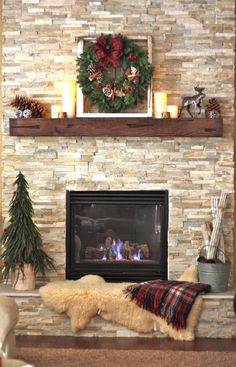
124 343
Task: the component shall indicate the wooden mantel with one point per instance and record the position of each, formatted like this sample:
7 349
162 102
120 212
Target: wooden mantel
131 126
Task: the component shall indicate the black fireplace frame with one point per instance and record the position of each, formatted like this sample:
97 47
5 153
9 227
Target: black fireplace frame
117 271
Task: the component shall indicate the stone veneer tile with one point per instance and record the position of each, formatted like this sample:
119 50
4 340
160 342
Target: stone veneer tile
217 321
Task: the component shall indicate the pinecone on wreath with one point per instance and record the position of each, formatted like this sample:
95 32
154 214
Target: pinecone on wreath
92 69
99 76
107 91
212 109
23 103
95 73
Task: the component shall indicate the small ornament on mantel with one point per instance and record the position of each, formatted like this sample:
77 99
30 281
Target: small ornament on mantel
194 101
27 107
27 114
212 109
165 115
18 115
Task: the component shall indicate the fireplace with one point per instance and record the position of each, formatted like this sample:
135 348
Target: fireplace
120 235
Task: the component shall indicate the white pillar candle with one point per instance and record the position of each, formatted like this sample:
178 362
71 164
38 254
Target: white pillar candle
174 111
160 104
55 111
68 98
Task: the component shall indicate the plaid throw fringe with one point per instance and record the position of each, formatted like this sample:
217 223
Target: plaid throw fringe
171 300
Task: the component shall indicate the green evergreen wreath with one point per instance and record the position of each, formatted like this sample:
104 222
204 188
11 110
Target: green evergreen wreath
131 64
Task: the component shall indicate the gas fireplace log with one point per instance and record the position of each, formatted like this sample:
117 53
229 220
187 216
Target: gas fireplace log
118 251
145 251
108 242
93 253
110 254
127 251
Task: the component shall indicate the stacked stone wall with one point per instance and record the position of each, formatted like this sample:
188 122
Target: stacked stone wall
193 43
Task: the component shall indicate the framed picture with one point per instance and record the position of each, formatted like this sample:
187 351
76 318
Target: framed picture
142 109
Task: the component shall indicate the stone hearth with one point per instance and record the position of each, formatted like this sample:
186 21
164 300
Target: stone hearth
217 319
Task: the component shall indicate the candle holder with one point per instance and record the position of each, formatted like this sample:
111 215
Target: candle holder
62 115
165 115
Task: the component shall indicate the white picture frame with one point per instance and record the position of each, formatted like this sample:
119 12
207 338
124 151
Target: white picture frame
80 110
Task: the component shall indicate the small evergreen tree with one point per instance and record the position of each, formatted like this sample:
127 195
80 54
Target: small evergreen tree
22 240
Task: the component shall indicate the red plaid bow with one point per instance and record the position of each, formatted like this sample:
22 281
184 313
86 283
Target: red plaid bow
110 55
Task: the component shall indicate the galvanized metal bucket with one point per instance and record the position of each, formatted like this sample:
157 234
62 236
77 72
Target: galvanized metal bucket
216 275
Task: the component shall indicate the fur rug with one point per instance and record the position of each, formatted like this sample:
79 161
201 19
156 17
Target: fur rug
91 295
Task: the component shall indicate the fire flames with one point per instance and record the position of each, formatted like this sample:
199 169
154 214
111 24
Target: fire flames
117 247
113 249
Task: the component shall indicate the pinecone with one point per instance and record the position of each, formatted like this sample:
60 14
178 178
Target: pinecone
18 114
212 109
99 76
92 69
27 114
24 103
107 91
214 114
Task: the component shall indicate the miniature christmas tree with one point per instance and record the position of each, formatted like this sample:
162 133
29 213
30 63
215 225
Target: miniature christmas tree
21 239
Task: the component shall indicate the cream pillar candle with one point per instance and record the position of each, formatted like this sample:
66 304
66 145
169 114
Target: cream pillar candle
160 104
68 98
174 111
79 102
55 111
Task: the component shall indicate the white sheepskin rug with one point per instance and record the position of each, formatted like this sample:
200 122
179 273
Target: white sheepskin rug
91 295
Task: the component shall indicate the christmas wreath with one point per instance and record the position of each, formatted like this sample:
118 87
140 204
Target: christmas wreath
125 59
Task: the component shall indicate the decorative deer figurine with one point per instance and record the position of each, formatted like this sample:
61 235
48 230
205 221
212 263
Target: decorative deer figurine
195 101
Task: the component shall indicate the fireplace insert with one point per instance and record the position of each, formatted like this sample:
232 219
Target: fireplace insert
120 235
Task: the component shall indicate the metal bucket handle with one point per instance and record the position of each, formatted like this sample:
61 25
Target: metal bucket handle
218 249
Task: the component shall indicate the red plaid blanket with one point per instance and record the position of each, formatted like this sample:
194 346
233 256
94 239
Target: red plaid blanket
171 300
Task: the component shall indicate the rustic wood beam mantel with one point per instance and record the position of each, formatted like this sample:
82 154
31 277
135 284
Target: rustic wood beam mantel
131 126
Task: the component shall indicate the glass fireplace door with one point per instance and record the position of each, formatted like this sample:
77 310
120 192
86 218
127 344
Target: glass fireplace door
119 235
